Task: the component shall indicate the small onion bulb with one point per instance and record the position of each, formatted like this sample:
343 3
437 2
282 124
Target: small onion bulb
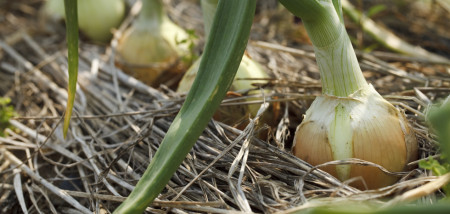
145 54
96 18
237 114
151 46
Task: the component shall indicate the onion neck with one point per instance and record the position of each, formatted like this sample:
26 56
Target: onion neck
339 69
338 65
152 14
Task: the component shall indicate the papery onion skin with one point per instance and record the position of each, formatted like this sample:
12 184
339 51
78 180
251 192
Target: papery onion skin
379 134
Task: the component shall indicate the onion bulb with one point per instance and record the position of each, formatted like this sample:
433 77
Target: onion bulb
96 18
234 114
150 46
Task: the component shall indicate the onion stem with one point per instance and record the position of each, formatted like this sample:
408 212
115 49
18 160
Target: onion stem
335 56
151 15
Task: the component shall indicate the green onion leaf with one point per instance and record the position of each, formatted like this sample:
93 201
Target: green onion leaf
72 46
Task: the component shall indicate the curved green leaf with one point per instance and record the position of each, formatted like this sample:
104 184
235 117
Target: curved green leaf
439 118
349 209
221 58
72 47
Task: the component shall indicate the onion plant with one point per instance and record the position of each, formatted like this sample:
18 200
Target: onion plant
152 45
349 120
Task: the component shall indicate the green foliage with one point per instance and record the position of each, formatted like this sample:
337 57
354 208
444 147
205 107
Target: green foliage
191 57
438 169
6 113
375 10
439 117
372 11
371 47
72 46
355 209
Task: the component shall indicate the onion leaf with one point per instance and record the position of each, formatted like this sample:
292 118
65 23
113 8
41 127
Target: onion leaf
72 46
221 59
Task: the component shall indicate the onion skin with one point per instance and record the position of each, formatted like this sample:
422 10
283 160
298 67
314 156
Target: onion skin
377 131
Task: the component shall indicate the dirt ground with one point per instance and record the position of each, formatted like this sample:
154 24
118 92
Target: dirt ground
118 122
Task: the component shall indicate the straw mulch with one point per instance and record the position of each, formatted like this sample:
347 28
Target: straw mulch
118 124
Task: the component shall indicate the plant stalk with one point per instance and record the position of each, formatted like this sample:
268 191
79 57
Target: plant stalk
151 15
338 65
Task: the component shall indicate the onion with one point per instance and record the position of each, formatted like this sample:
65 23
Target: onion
150 46
362 125
350 119
96 18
